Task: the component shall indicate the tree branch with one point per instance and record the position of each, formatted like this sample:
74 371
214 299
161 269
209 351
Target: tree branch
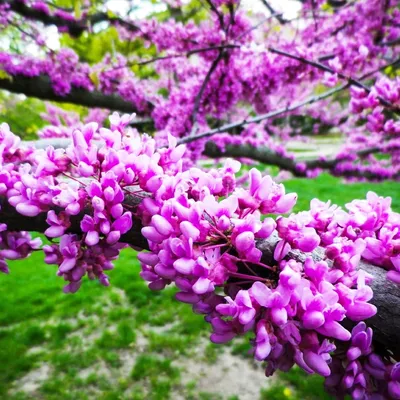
18 222
262 117
199 95
273 12
325 68
386 323
41 88
260 154
75 27
270 157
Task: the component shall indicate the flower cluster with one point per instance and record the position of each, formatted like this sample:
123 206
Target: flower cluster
204 234
296 281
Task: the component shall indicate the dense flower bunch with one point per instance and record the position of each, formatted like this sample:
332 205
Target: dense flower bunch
296 282
62 123
205 235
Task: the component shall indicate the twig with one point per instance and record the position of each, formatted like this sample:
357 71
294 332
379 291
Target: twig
215 10
275 14
313 6
187 54
202 88
325 68
257 25
259 118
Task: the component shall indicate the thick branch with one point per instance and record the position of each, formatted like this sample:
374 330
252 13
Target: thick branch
41 88
75 27
270 157
17 222
386 323
261 154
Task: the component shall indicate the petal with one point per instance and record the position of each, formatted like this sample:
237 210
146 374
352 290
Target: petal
150 233
123 224
313 319
185 297
279 316
247 316
244 241
148 258
394 276
353 353
219 338
316 363
189 230
67 265
260 293
55 231
286 203
72 287
359 311
10 254
394 390
335 330
281 250
92 238
184 265
162 225
201 286
113 237
28 210
262 350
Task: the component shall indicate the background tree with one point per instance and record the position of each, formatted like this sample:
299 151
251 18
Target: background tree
207 80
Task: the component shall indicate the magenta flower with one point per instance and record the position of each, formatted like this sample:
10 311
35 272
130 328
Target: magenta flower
58 224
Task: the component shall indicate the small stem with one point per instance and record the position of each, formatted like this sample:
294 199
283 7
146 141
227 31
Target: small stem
214 246
252 262
247 266
74 179
245 276
135 193
237 283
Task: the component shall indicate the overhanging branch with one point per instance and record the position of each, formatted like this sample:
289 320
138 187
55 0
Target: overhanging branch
41 88
260 154
386 323
75 27
270 157
18 222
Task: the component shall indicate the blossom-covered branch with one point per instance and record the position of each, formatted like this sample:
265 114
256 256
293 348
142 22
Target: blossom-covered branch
298 168
65 21
41 87
205 234
330 70
386 295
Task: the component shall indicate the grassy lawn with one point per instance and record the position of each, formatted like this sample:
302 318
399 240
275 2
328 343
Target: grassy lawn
126 342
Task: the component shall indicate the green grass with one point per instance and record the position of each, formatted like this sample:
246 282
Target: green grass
296 385
327 187
126 342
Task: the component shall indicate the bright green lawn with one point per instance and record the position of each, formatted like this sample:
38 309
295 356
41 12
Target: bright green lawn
124 342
